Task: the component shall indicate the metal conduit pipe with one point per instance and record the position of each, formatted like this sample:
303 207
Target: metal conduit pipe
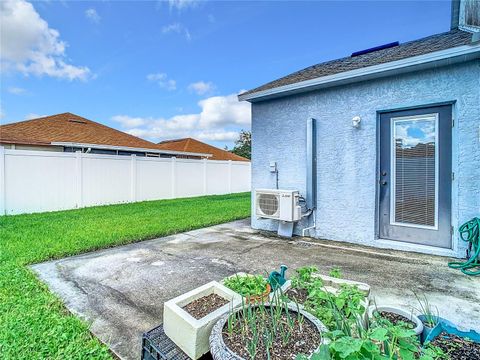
314 225
311 193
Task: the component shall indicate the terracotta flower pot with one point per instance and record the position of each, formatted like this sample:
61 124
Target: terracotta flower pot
254 299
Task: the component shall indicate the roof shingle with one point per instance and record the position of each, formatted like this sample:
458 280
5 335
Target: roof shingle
68 127
193 145
423 46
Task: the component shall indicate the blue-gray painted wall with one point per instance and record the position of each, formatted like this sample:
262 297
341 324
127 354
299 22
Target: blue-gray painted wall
347 157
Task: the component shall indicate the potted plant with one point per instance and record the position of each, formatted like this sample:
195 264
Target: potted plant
254 288
396 316
279 329
323 298
429 316
189 318
455 343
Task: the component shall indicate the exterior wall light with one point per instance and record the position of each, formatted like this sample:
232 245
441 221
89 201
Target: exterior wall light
356 121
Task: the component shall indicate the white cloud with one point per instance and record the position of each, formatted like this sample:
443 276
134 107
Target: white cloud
183 4
128 122
30 46
162 80
414 132
16 90
31 116
92 15
218 120
219 136
177 28
223 110
201 87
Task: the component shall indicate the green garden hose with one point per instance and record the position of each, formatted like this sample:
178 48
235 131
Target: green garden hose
470 232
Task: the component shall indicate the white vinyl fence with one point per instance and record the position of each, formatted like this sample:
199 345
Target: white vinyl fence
37 181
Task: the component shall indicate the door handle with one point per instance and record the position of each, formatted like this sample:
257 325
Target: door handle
383 182
384 173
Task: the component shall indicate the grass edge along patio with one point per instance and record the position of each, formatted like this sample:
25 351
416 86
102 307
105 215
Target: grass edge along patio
33 320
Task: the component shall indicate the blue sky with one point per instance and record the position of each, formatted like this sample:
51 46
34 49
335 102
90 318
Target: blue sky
172 69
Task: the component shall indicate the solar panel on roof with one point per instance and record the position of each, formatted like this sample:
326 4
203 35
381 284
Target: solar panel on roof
376 48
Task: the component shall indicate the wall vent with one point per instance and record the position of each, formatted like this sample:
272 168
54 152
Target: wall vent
78 121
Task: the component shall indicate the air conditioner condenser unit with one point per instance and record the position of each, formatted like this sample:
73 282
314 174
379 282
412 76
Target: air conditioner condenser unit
276 204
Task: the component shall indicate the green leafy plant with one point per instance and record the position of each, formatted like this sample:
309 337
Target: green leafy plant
336 309
332 309
349 337
336 272
385 342
431 352
303 278
247 285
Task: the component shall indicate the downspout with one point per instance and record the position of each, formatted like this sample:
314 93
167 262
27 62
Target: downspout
311 195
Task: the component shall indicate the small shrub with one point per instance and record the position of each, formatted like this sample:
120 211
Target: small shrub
247 285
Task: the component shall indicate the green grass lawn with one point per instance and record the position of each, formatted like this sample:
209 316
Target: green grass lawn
34 324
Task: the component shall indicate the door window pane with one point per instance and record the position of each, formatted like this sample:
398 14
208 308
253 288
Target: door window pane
415 171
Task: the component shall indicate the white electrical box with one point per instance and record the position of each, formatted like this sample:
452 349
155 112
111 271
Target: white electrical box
273 166
278 204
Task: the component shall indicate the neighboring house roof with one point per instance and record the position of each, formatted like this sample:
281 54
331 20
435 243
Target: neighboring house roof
193 145
431 44
68 129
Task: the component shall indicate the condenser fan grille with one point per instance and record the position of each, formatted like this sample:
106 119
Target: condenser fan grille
268 204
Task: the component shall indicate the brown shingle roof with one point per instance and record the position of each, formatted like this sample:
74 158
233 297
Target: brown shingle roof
68 127
423 46
193 145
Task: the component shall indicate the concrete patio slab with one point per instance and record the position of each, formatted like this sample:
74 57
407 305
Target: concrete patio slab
121 290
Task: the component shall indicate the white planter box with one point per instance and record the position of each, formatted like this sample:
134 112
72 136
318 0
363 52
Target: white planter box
329 281
393 309
191 335
332 284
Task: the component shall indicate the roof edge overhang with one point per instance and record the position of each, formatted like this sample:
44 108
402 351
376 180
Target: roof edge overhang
421 62
23 142
127 148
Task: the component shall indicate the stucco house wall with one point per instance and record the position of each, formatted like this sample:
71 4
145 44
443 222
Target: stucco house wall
347 157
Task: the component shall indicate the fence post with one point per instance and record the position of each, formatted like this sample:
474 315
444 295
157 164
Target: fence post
204 176
133 178
229 176
79 177
3 192
174 177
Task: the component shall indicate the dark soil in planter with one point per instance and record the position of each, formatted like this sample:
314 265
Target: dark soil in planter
456 347
305 339
297 295
396 318
205 305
